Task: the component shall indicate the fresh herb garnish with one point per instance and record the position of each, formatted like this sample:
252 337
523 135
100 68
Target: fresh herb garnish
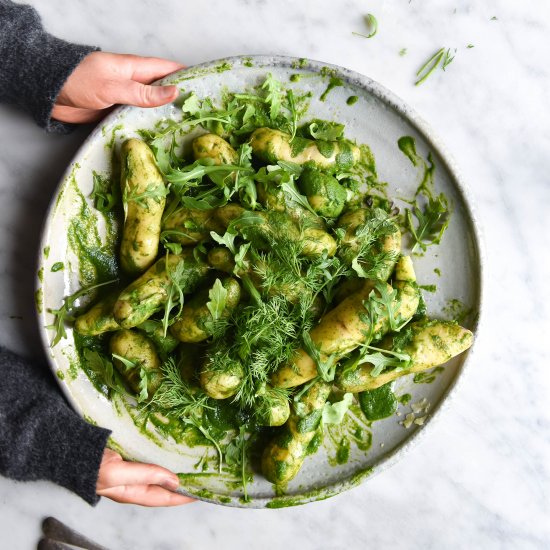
104 193
66 311
333 413
442 58
371 24
152 192
129 365
431 222
385 302
217 300
326 367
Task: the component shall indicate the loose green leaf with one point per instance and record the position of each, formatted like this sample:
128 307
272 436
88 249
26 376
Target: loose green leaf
236 455
371 24
175 295
448 58
273 98
325 367
192 105
429 66
217 300
432 221
152 192
326 131
386 302
126 363
383 360
103 194
227 239
102 368
442 58
333 413
65 312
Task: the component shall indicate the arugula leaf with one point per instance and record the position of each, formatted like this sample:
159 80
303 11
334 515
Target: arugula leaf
240 257
333 413
385 303
175 294
236 454
273 98
174 248
102 368
325 367
227 239
126 363
383 360
194 173
244 181
152 191
217 300
294 196
65 312
192 105
325 130
433 220
103 193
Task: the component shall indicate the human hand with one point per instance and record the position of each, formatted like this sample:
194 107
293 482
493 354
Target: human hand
104 79
135 483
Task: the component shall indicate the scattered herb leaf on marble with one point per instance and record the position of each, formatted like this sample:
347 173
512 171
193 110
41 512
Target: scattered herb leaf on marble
372 26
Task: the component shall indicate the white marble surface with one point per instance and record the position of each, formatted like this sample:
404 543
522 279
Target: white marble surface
481 479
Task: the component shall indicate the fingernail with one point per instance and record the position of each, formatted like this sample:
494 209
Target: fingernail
167 91
171 483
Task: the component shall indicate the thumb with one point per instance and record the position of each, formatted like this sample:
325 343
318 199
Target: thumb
130 92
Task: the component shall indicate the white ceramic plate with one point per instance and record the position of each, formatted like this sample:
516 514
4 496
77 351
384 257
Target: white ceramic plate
379 119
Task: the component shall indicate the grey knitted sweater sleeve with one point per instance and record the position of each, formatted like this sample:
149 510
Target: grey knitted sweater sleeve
34 64
41 437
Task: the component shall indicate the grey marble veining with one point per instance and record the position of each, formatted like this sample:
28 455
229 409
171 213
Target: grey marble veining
482 477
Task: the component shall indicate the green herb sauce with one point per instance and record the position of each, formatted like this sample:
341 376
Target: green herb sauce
427 377
407 146
378 403
405 398
58 266
39 299
334 82
428 288
46 252
352 99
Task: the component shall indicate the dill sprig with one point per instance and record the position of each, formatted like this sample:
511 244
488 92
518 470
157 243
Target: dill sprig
175 397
